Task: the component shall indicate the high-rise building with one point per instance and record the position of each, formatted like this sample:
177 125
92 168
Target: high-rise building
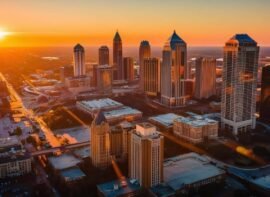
103 55
238 100
128 64
174 64
117 57
79 60
104 79
265 94
144 52
146 155
151 76
205 80
100 142
66 71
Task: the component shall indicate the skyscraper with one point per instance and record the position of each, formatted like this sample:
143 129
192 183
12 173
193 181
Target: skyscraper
79 60
265 94
151 76
118 57
100 142
205 80
146 155
103 55
238 101
174 63
104 79
128 64
144 52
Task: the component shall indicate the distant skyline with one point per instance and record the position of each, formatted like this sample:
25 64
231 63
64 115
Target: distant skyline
94 22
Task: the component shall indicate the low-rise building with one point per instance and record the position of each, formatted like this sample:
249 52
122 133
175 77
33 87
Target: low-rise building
195 128
78 84
14 161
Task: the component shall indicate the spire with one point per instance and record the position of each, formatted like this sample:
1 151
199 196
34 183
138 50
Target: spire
117 36
175 39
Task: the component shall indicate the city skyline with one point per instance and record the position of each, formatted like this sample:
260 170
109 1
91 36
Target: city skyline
94 23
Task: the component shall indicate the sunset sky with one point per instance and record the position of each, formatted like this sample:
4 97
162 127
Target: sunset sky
94 22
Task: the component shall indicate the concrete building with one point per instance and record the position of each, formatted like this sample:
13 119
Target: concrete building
79 60
188 86
104 79
174 65
238 101
144 52
151 74
146 155
100 142
103 55
195 128
128 64
78 84
117 57
205 80
65 72
265 94
14 161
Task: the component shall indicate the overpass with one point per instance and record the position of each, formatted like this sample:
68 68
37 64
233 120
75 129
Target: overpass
59 148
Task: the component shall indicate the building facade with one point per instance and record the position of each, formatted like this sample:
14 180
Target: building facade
238 101
100 142
144 52
174 65
104 79
79 60
151 75
103 55
128 64
14 161
118 57
195 128
265 94
146 155
205 80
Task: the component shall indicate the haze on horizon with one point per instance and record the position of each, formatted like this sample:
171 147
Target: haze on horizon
33 23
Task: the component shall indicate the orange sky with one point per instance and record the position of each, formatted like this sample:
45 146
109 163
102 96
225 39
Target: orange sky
94 22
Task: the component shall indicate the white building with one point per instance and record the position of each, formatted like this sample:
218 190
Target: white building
146 155
238 102
195 128
79 60
14 161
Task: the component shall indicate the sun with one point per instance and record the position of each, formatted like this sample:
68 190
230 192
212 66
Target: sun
3 34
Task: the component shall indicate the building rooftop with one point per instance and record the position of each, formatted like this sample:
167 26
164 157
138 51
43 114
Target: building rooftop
9 141
188 169
242 39
82 152
121 113
117 37
72 174
119 188
165 120
63 161
195 120
162 190
174 40
78 47
101 104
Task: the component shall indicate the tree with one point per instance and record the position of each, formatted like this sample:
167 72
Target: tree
17 131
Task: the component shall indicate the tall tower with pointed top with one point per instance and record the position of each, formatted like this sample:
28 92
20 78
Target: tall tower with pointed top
118 57
173 69
79 60
240 69
144 52
100 142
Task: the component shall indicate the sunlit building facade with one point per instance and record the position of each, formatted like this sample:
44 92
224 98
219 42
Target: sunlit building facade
174 64
146 155
144 52
79 60
100 142
104 79
128 64
151 76
238 101
205 80
118 57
